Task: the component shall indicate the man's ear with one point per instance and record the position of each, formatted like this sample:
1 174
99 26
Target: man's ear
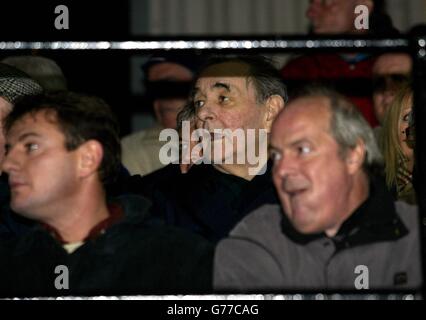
90 157
355 157
274 105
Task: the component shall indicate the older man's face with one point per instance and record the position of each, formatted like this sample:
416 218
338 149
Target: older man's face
225 99
312 179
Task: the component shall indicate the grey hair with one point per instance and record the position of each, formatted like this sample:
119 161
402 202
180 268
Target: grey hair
348 126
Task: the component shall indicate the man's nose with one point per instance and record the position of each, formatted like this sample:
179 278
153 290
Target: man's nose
207 112
10 162
388 96
285 166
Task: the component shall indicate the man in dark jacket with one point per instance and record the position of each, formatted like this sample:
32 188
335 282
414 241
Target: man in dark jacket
337 226
62 150
236 94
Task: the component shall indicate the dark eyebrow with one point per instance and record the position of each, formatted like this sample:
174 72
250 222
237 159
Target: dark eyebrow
28 134
217 85
222 85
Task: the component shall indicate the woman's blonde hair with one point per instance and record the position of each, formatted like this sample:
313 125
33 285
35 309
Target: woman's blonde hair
389 140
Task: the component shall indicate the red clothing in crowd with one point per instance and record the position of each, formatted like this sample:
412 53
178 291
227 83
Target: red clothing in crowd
352 78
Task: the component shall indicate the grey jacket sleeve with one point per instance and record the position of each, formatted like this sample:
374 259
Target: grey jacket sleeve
243 265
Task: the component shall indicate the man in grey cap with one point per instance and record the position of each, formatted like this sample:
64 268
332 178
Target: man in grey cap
45 71
14 84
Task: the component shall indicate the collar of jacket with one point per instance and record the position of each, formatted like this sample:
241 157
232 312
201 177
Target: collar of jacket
375 220
134 207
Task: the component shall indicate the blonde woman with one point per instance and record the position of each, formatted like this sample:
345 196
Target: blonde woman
398 156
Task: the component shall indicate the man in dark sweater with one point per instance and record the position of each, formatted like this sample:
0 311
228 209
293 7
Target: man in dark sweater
62 152
237 94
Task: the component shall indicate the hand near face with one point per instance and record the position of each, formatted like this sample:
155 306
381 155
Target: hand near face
186 146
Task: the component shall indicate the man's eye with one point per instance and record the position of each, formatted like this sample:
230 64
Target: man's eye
31 146
223 99
275 156
198 103
304 150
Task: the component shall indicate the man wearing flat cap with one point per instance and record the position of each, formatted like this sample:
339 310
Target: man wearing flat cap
14 85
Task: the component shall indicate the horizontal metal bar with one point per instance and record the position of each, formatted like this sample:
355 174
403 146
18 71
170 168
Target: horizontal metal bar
251 297
205 44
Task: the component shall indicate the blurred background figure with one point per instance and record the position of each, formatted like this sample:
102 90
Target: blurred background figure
167 81
348 73
338 16
398 155
43 70
391 72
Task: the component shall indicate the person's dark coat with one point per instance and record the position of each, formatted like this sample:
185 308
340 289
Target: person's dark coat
11 224
205 200
133 256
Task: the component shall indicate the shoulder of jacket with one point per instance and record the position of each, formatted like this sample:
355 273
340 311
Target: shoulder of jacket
408 213
262 220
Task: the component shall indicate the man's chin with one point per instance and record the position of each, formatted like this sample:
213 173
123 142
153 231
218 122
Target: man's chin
305 229
303 226
22 210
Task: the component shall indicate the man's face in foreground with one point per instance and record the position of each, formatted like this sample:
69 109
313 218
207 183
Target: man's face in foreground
42 173
311 177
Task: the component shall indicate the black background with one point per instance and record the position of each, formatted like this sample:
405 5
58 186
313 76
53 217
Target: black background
102 73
